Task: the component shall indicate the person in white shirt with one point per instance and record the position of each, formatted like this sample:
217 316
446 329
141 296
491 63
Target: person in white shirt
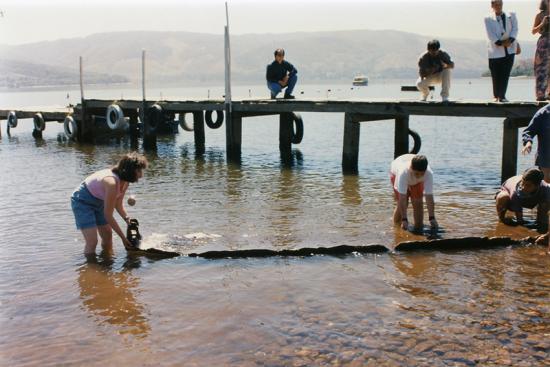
411 176
502 30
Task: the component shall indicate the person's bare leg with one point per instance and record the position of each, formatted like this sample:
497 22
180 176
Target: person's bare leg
90 236
546 171
502 201
106 234
418 213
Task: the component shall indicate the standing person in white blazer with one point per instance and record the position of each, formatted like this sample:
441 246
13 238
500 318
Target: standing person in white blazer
502 30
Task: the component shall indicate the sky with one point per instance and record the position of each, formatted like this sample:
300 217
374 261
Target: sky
27 21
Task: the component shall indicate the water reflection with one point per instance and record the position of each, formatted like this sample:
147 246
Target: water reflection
108 295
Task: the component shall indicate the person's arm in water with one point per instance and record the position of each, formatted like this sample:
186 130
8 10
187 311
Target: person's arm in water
545 238
402 205
519 216
109 207
430 203
119 206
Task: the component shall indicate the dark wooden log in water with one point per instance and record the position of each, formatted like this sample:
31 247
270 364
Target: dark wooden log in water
463 243
306 251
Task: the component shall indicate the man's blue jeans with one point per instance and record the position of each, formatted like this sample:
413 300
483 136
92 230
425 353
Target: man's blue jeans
276 88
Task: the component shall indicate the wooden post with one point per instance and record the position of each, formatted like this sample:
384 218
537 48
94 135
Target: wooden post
134 129
350 152
233 136
401 140
85 123
198 131
285 136
509 149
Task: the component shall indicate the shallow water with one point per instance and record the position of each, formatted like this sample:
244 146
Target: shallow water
425 308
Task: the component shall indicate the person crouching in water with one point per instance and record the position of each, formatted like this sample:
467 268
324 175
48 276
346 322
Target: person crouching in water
95 200
526 191
411 176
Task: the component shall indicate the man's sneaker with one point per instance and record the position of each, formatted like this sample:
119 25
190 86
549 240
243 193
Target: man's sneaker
504 100
444 99
423 98
273 96
289 96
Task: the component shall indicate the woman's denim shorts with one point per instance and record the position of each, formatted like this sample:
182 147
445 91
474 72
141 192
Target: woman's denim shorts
87 209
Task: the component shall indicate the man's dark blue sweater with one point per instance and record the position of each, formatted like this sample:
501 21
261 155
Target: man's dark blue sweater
276 71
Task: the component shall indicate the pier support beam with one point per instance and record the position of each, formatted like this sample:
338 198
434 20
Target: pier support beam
233 136
401 142
198 132
134 131
350 153
285 136
509 149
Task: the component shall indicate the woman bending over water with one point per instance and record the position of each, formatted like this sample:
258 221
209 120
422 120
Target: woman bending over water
95 200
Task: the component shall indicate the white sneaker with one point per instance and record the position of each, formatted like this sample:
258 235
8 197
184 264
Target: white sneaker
424 98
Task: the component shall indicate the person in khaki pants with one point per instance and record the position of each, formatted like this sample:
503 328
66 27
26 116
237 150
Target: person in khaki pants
434 68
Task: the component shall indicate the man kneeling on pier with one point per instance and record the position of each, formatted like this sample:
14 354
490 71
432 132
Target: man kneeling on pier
411 176
281 74
434 68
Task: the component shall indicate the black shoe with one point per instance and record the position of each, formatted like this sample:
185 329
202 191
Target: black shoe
289 96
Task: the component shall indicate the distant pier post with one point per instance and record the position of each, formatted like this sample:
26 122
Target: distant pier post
509 149
401 142
285 136
350 153
233 136
198 131
134 133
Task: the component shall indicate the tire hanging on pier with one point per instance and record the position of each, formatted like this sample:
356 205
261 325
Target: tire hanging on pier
213 124
39 123
12 119
297 128
184 124
115 117
155 117
70 127
417 141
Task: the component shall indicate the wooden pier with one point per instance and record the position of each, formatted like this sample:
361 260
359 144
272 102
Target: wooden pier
151 113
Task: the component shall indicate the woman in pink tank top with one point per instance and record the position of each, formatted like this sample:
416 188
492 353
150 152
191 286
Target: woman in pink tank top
96 199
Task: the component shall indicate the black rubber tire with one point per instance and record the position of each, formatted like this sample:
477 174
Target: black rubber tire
297 128
213 124
155 117
417 142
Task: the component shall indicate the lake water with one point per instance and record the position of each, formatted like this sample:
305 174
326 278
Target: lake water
427 308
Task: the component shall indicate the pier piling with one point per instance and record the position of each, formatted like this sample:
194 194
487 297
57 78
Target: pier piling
401 139
350 153
233 136
198 132
285 136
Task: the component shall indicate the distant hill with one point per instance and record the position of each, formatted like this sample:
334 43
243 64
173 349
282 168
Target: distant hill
15 74
195 58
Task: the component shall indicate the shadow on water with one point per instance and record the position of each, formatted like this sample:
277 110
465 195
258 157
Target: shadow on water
108 295
293 159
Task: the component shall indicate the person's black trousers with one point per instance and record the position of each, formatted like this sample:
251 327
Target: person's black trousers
500 73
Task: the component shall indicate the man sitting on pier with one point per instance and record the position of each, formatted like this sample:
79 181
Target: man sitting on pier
281 74
435 68
411 176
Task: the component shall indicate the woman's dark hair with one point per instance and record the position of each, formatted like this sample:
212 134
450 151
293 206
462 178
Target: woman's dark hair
128 165
533 175
419 163
543 5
